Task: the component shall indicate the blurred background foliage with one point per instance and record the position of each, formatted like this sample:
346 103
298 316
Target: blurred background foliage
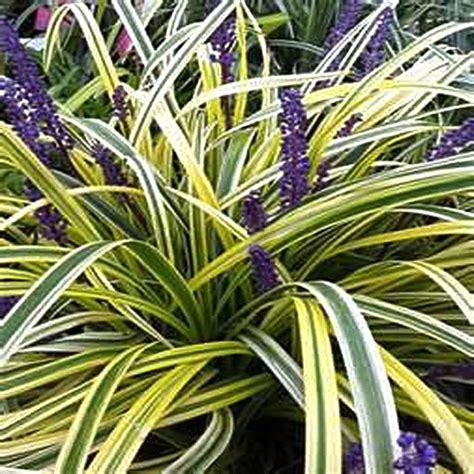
309 20
296 28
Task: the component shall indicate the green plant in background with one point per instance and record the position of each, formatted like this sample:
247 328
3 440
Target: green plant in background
248 272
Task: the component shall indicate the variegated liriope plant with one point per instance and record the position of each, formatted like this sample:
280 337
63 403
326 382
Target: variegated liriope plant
139 342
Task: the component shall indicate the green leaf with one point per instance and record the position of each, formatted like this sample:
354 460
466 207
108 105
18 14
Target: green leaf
344 204
26 380
323 426
135 28
96 43
44 293
375 406
439 415
175 67
204 452
147 175
120 448
167 47
285 369
53 35
188 354
75 450
49 288
419 322
44 180
454 288
215 398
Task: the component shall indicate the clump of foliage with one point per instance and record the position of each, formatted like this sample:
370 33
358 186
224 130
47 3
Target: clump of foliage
228 270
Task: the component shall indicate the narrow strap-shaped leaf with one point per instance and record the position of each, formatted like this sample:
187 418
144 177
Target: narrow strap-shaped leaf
364 88
188 354
373 398
323 427
101 207
154 261
419 322
220 217
241 100
120 448
176 66
44 293
170 44
439 212
439 415
176 18
454 288
96 44
146 174
184 151
20 422
74 452
135 28
207 449
31 253
49 288
460 227
62 324
44 180
28 379
53 35
254 84
93 88
8 470
89 197
348 203
212 399
282 365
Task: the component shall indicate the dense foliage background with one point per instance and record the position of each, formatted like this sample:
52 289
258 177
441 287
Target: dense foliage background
165 309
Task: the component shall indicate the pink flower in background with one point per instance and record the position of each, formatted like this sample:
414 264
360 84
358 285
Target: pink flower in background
43 17
124 43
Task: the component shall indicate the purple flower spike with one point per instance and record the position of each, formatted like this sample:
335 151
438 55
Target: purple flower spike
263 268
349 125
346 20
26 73
32 114
119 97
453 141
222 42
113 173
295 163
23 120
253 213
463 371
355 459
418 456
6 304
22 116
374 54
53 226
322 173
